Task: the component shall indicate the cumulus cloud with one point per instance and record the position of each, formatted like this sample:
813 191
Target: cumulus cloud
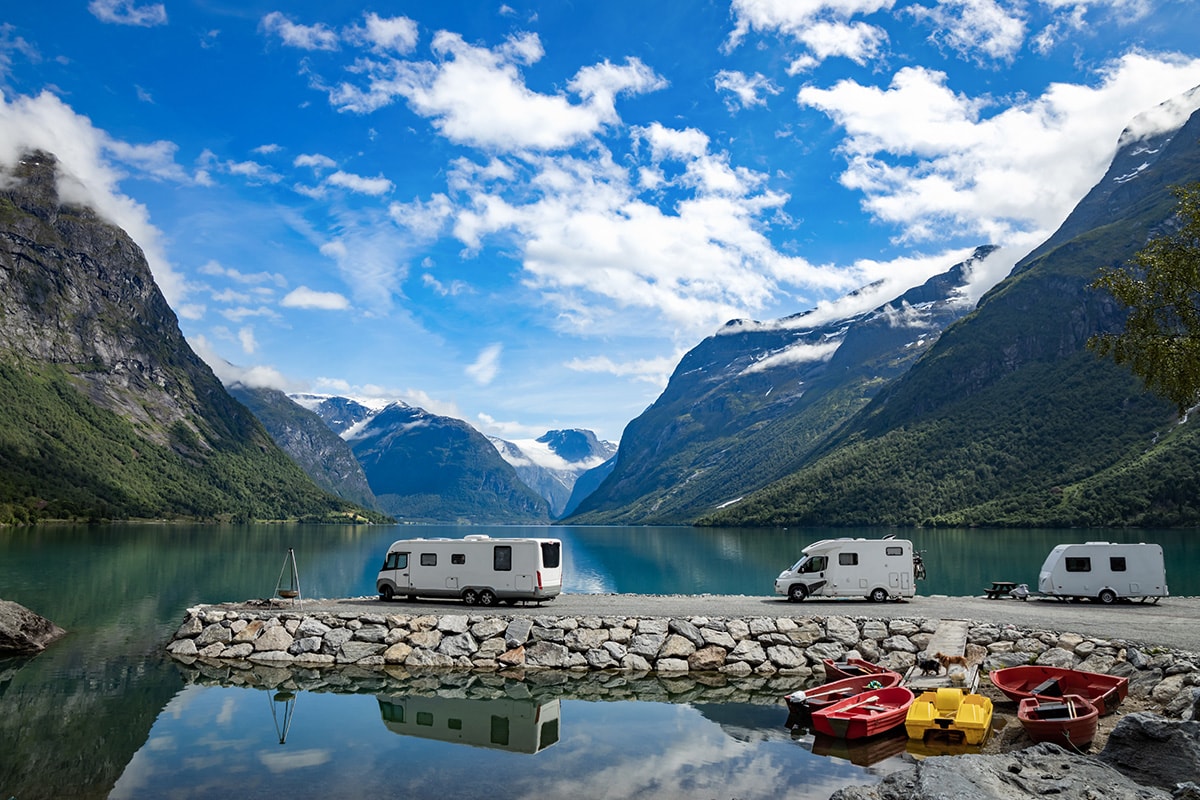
304 297
128 12
294 34
90 171
975 29
823 28
933 161
376 186
744 91
398 34
259 377
476 96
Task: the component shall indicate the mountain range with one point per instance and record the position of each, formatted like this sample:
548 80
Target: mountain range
928 409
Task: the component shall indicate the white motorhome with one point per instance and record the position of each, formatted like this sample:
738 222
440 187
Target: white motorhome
519 725
877 569
479 569
1104 571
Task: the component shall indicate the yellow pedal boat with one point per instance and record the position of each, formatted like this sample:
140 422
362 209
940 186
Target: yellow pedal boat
950 714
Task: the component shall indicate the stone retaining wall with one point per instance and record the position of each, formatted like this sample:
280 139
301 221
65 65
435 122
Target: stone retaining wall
736 647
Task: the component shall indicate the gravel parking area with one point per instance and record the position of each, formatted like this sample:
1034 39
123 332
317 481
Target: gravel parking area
1173 622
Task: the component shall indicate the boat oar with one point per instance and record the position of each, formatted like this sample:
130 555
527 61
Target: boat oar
870 699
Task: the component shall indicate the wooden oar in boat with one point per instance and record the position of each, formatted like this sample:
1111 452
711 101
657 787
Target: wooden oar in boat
870 699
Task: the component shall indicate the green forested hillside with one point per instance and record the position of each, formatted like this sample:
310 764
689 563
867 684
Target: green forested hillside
1008 419
63 457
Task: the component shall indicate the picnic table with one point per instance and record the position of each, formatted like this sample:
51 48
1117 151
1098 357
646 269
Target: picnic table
1000 589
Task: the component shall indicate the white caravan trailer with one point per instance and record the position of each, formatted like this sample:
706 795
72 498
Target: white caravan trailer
519 725
877 569
479 569
1104 571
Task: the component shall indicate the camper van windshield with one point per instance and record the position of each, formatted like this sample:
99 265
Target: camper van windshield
813 564
396 561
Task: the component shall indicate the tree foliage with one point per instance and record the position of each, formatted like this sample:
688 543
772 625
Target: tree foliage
1161 288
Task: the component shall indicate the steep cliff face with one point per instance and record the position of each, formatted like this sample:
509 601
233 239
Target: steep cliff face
105 411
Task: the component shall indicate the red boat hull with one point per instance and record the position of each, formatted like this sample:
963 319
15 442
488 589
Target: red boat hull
1069 721
867 714
1105 691
801 704
850 668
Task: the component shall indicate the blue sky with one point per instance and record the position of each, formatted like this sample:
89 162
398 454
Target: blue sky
522 214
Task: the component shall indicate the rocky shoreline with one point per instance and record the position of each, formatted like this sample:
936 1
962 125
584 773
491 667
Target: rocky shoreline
754 658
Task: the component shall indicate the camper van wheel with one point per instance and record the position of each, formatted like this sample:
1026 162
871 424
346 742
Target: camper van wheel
470 596
797 593
879 595
487 598
1107 596
386 594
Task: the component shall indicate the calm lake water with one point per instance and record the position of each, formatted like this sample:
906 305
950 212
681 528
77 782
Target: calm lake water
104 714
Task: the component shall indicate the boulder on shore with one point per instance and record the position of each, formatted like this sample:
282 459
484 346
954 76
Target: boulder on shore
23 632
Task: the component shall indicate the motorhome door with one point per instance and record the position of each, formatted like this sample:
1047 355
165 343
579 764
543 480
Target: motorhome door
395 568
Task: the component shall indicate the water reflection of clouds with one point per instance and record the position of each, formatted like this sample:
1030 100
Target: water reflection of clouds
283 760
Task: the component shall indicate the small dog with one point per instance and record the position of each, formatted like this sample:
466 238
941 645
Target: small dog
946 660
929 666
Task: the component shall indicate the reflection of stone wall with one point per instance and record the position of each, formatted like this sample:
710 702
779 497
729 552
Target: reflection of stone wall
227 640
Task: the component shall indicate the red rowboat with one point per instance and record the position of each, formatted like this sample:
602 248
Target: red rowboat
865 714
1068 721
1027 680
805 701
851 667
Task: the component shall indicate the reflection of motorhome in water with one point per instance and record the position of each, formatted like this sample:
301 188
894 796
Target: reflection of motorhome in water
505 723
877 569
479 569
1104 571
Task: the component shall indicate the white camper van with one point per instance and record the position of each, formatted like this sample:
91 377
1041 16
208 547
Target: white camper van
479 569
1104 571
877 569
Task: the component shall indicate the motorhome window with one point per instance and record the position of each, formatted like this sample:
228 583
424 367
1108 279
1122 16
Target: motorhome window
848 559
428 559
814 564
454 724
894 551
548 734
551 554
458 558
502 558
391 712
1079 565
425 718
396 561
1117 563
499 730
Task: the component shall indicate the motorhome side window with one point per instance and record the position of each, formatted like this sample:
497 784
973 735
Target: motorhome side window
396 561
428 559
848 559
1117 564
458 558
502 558
814 564
894 551
1079 564
551 554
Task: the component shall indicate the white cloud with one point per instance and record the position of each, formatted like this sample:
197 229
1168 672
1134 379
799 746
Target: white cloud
371 256
476 96
744 90
930 161
655 371
87 174
305 37
802 353
485 368
304 297
216 269
128 12
315 160
357 183
246 338
262 377
975 28
823 26
398 34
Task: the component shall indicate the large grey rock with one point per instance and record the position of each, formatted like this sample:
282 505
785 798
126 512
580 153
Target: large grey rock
22 631
1153 750
1044 770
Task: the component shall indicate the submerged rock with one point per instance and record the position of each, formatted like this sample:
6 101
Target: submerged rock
22 631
